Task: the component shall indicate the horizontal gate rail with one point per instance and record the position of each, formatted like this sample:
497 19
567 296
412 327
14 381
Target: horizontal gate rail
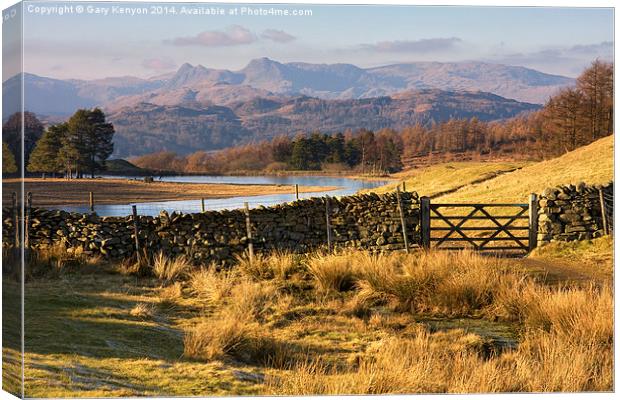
485 248
459 205
456 239
501 229
475 228
478 217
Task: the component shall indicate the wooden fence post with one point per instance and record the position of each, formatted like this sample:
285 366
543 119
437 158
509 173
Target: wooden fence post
15 218
248 227
134 212
27 220
296 191
533 220
402 219
603 211
202 205
91 201
328 224
404 186
425 222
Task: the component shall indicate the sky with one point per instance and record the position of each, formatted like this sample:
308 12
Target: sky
94 43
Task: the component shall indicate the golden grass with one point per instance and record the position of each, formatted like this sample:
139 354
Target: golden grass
169 269
214 339
334 272
142 310
346 323
592 164
558 358
436 179
277 265
211 285
450 283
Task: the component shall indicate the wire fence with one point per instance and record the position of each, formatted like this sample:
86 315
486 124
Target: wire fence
607 210
153 208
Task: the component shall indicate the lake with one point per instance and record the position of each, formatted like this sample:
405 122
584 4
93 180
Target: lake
346 187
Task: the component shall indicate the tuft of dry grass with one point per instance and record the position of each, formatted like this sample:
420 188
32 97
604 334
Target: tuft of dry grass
212 285
277 265
142 310
242 340
451 283
334 272
169 296
251 300
213 339
168 269
55 260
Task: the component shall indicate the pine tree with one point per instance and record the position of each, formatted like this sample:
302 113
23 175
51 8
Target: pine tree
99 143
12 134
8 160
91 137
45 156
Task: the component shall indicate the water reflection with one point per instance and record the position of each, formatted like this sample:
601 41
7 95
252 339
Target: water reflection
346 186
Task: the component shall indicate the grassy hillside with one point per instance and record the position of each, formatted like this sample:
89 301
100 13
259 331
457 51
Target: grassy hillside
441 178
592 164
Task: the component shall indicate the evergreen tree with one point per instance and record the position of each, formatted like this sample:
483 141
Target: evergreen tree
8 161
301 155
336 148
12 134
91 137
99 145
45 156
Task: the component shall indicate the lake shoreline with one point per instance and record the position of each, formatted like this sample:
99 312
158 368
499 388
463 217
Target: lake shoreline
58 192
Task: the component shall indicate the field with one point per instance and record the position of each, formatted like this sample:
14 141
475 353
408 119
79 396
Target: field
435 180
474 182
58 192
319 324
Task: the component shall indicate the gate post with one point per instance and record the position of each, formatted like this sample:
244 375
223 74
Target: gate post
328 224
403 225
425 222
603 211
248 227
533 221
136 231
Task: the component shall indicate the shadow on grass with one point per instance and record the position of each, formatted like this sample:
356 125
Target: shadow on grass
92 318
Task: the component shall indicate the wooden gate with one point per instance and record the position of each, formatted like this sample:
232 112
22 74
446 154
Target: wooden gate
500 227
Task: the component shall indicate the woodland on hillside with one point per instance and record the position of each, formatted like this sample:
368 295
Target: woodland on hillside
572 118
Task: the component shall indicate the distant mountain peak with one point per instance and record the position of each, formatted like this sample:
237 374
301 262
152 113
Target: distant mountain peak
266 77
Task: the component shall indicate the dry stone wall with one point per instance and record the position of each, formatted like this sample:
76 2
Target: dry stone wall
571 212
368 221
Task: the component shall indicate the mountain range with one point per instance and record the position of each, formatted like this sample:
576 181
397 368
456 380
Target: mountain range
204 108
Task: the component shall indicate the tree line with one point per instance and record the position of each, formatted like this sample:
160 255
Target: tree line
572 118
362 150
79 146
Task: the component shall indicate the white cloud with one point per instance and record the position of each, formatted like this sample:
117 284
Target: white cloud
234 35
277 36
159 64
431 45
